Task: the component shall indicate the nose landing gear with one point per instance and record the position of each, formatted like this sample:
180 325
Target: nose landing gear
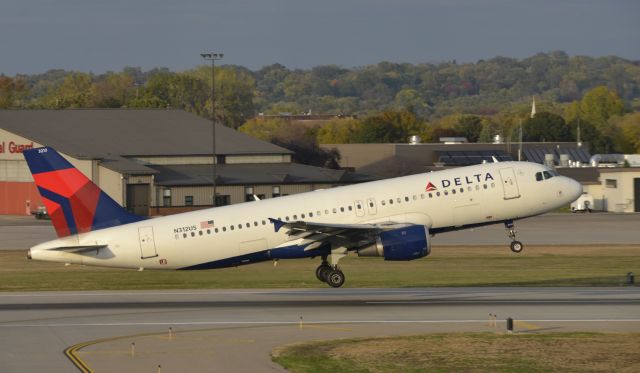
516 246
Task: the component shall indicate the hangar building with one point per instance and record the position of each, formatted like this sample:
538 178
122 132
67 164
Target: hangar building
153 161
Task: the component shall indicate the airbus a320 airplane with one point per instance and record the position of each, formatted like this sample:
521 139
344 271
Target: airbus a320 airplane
391 218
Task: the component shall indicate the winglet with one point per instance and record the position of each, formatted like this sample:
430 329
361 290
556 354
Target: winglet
277 224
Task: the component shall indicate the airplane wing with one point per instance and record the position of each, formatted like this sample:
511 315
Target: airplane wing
316 235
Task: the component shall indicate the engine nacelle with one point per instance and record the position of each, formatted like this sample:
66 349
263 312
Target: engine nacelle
406 243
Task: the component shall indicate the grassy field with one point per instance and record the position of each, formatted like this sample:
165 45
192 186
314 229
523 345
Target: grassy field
446 266
481 352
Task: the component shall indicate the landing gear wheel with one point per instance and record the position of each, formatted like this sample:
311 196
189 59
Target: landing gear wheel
322 271
335 278
516 246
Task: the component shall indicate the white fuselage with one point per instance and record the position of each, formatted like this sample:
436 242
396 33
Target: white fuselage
509 192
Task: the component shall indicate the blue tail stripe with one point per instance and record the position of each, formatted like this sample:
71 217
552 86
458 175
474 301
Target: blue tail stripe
45 160
64 204
110 214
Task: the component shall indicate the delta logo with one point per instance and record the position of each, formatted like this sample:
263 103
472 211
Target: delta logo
458 181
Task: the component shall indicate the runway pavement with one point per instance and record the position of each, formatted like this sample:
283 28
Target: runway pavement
235 330
20 233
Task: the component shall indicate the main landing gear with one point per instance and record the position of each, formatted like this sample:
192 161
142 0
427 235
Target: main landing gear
330 273
516 246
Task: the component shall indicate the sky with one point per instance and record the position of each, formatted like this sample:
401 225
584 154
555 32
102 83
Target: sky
99 35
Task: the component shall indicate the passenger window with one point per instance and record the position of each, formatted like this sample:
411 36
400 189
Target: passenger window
208 231
311 214
350 208
461 190
446 192
390 201
216 230
399 200
224 229
406 199
453 191
341 209
264 222
477 187
231 227
286 218
538 176
193 234
422 196
437 194
295 217
255 223
484 186
430 195
248 225
201 233
383 202
335 210
302 216
239 226
370 204
184 235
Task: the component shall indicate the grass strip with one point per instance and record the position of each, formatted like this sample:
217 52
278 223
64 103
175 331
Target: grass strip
467 352
446 266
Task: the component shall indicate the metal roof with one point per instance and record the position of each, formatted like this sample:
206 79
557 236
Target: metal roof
113 133
470 157
537 153
251 174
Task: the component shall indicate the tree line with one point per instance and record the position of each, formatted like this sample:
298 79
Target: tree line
391 101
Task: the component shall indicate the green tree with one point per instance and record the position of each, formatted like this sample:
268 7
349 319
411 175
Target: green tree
12 91
74 92
470 127
263 129
388 127
628 133
113 91
600 104
338 131
546 127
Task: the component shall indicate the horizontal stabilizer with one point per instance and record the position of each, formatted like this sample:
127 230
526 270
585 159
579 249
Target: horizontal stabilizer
79 249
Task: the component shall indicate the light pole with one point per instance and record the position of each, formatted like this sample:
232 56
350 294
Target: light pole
213 57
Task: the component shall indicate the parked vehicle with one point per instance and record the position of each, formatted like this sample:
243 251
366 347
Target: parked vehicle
584 203
41 213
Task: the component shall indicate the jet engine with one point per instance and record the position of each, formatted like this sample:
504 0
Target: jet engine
408 243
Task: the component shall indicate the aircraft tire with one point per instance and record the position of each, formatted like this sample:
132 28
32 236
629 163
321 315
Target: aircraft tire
516 246
322 271
335 278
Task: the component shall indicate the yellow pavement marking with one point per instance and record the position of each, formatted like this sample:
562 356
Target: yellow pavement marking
526 325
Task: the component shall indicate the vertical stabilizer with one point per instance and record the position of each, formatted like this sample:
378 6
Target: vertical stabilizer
75 203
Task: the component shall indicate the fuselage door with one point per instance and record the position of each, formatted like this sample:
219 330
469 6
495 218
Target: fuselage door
359 208
147 243
509 183
371 206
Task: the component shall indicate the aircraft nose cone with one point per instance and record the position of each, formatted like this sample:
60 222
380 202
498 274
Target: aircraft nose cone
575 189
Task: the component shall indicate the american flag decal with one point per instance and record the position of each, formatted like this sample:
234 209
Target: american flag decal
206 224
430 187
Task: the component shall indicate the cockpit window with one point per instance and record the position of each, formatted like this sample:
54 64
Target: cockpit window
547 175
539 176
